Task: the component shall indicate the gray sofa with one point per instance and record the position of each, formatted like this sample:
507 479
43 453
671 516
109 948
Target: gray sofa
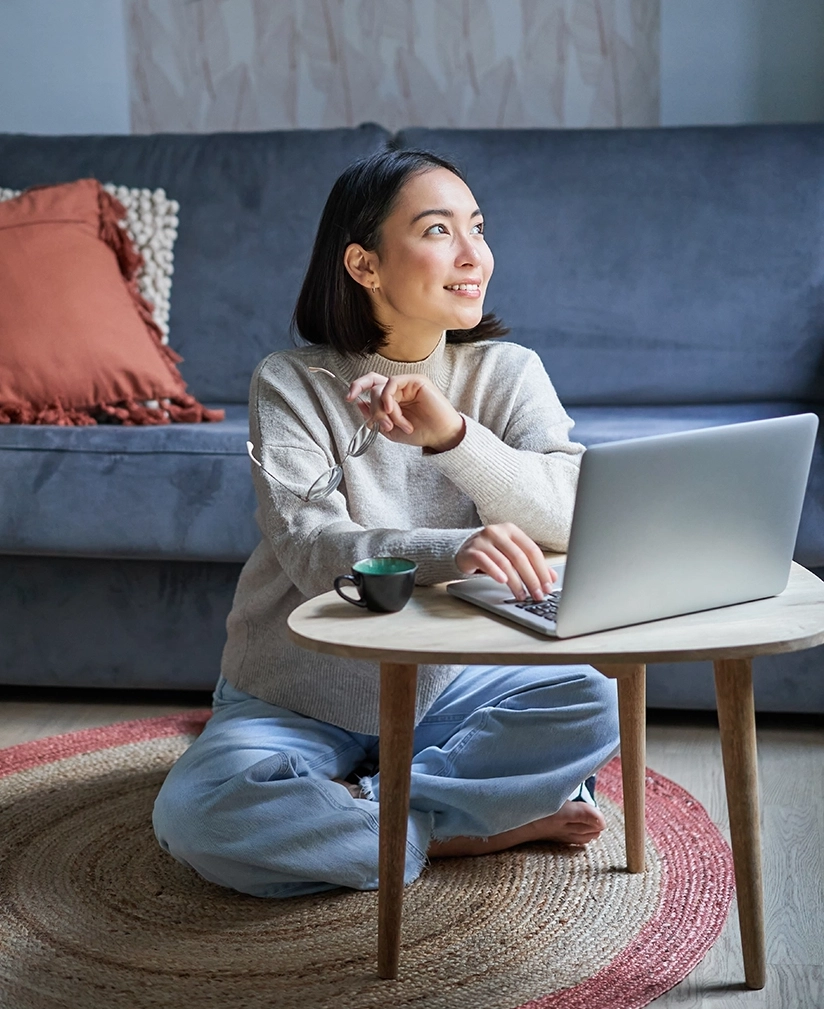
669 278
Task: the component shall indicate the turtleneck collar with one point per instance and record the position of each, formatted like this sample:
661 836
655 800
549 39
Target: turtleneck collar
436 367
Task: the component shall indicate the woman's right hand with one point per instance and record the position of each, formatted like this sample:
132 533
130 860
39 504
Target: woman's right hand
507 554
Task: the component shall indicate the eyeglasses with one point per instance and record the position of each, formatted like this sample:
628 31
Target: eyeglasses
327 482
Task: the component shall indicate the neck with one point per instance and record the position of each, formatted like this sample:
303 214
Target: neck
433 363
410 348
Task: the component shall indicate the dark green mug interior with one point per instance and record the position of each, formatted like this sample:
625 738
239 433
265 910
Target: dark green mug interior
383 566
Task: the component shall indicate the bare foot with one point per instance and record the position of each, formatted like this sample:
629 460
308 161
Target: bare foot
574 823
354 790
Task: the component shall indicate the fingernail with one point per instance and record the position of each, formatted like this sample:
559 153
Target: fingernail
547 586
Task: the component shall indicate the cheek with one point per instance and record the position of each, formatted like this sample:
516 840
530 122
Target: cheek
417 272
432 266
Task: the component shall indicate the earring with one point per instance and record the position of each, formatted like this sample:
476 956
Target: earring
373 289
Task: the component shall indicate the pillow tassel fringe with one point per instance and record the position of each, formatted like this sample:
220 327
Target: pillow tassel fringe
54 413
181 409
128 413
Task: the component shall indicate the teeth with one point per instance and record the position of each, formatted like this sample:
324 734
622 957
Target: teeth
463 287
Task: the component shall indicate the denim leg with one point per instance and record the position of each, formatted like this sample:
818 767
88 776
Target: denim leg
505 745
251 804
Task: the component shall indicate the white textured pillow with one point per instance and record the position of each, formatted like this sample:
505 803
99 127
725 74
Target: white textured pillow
151 222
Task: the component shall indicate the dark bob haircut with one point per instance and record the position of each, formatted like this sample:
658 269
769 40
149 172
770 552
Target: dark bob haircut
334 309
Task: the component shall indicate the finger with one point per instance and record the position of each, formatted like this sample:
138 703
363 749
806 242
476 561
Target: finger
393 410
366 413
482 563
377 412
521 562
543 572
513 577
364 384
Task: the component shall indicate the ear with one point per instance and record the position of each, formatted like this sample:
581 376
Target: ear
361 265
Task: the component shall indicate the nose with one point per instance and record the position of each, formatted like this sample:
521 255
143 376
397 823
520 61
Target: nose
468 253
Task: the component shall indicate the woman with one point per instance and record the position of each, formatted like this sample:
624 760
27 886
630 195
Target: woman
472 472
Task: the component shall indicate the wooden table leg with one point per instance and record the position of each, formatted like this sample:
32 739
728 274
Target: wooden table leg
632 719
736 720
397 721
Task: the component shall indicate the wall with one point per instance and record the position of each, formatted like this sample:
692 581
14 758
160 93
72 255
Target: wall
63 67
742 61
258 64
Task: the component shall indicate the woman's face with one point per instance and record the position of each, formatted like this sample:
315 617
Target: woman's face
433 264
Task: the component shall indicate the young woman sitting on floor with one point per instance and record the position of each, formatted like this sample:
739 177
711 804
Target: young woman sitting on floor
473 472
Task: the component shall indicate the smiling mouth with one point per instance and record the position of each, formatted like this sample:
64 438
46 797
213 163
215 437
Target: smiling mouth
467 290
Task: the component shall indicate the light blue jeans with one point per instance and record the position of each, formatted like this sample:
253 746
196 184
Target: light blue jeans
251 804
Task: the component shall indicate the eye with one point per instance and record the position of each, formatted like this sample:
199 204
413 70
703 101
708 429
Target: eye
431 230
478 229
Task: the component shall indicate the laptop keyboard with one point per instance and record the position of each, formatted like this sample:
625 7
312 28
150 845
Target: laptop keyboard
546 608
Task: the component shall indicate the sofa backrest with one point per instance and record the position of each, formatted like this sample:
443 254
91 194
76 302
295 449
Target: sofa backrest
249 207
644 265
656 265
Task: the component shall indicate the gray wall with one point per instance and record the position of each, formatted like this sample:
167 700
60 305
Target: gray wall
742 61
63 66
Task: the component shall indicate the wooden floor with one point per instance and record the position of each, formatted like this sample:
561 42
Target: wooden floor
681 746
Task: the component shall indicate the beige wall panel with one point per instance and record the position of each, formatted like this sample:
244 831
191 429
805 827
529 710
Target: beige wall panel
212 65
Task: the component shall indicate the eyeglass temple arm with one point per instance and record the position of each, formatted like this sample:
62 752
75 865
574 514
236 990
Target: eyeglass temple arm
250 448
325 371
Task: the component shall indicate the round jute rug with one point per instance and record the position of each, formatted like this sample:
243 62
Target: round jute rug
95 916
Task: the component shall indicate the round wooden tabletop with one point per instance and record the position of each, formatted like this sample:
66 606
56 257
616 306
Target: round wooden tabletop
435 627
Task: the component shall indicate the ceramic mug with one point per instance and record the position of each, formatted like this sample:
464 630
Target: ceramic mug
384 584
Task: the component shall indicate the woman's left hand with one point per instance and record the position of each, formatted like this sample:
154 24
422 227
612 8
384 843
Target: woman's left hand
409 409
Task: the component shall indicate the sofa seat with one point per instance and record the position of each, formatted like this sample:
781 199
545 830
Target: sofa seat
177 492
184 492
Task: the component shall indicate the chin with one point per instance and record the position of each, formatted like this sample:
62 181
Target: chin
467 320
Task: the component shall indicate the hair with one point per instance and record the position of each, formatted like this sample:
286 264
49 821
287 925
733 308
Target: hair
333 308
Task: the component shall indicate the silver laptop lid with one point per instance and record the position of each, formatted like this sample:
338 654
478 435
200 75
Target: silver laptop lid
683 522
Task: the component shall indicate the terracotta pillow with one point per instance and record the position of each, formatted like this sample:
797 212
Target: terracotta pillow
78 343
151 223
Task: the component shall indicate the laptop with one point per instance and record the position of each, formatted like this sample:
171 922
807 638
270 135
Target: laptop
671 524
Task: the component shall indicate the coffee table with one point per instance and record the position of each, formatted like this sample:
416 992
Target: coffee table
435 627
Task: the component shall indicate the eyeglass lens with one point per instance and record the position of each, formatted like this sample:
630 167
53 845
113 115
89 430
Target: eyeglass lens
325 484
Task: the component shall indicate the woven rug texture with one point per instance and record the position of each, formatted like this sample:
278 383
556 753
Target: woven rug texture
93 915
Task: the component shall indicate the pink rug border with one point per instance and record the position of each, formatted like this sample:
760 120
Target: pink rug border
37 752
628 982
635 977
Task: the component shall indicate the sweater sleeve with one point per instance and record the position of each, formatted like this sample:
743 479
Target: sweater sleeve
527 473
316 540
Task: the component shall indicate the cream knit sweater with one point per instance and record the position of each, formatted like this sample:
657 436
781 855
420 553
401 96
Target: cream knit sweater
514 464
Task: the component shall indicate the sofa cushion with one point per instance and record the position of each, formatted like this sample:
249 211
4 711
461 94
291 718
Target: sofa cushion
185 492
656 266
180 492
249 206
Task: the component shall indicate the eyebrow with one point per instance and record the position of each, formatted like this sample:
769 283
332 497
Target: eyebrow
442 213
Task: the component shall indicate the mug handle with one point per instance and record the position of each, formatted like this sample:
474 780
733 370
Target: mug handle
349 599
